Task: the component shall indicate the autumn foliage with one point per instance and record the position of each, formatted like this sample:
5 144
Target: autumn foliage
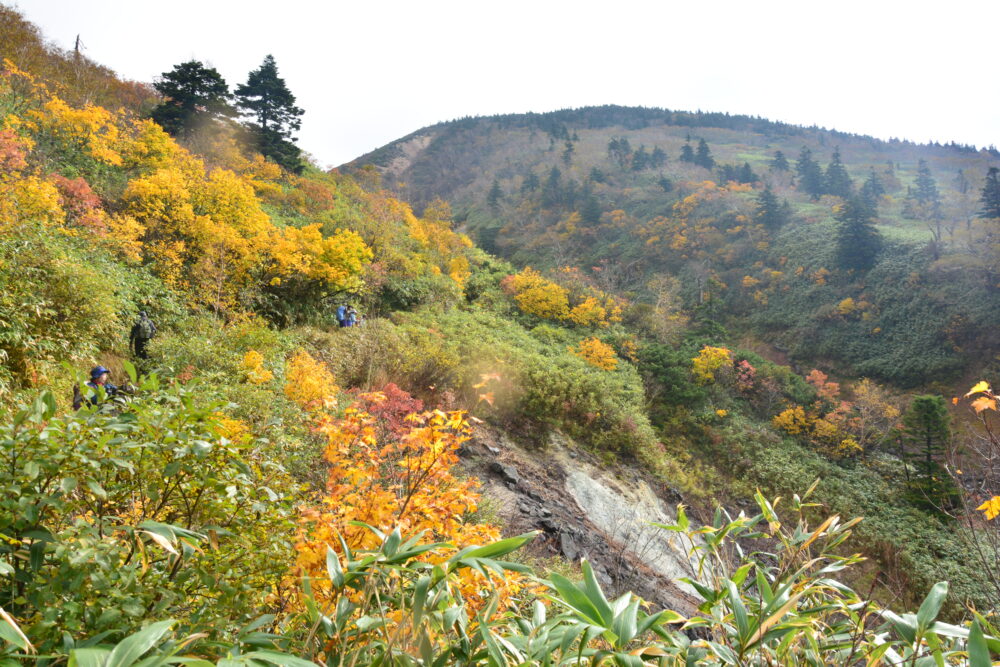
389 474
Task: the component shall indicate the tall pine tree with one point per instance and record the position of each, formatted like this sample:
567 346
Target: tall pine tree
927 431
267 100
687 153
858 242
872 190
195 95
768 211
703 157
837 181
780 162
810 174
990 197
494 196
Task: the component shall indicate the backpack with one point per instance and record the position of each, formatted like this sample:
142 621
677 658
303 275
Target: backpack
144 328
341 316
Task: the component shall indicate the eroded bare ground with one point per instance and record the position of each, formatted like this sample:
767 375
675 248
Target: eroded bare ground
585 510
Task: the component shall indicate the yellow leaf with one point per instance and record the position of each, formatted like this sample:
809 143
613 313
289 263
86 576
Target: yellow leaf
991 508
984 402
981 386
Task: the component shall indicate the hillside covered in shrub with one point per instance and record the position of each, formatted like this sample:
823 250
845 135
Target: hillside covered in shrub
268 487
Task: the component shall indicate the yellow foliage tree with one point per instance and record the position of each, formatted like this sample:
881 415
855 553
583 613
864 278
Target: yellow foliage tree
310 383
709 361
540 297
597 354
792 421
337 261
589 313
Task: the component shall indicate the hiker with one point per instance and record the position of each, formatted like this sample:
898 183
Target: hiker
98 378
342 315
142 331
352 317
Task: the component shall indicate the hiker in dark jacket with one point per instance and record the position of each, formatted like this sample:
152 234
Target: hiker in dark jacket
98 379
142 331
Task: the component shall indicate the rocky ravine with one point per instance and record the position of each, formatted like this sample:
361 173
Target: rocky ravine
586 511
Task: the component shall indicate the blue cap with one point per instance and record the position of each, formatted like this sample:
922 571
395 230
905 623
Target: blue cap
98 371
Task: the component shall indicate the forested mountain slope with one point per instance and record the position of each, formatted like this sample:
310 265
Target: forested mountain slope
465 472
631 195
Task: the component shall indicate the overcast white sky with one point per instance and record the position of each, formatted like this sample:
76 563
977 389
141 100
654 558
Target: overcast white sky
368 72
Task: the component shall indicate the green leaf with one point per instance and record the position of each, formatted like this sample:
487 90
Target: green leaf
96 489
88 657
931 606
130 649
280 659
333 568
68 484
979 651
12 634
596 595
129 367
501 548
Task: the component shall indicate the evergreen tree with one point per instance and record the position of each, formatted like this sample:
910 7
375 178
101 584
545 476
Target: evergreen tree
530 183
494 196
703 157
810 174
590 212
266 99
194 94
780 162
926 431
665 183
991 194
657 158
597 176
552 190
837 181
871 190
567 156
687 153
858 242
768 211
925 201
746 174
640 159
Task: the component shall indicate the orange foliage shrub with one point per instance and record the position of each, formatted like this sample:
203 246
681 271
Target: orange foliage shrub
406 482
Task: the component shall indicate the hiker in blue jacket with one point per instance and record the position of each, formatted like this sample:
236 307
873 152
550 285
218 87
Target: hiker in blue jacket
342 316
98 379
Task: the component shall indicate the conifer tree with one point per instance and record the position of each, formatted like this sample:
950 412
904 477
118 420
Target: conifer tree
590 212
810 174
267 100
552 190
926 430
657 158
567 156
858 241
927 192
837 181
703 157
780 162
665 183
687 153
494 196
194 94
768 211
530 183
640 159
746 174
871 190
991 194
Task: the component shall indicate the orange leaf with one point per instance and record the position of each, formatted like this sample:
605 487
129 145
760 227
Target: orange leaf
983 403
